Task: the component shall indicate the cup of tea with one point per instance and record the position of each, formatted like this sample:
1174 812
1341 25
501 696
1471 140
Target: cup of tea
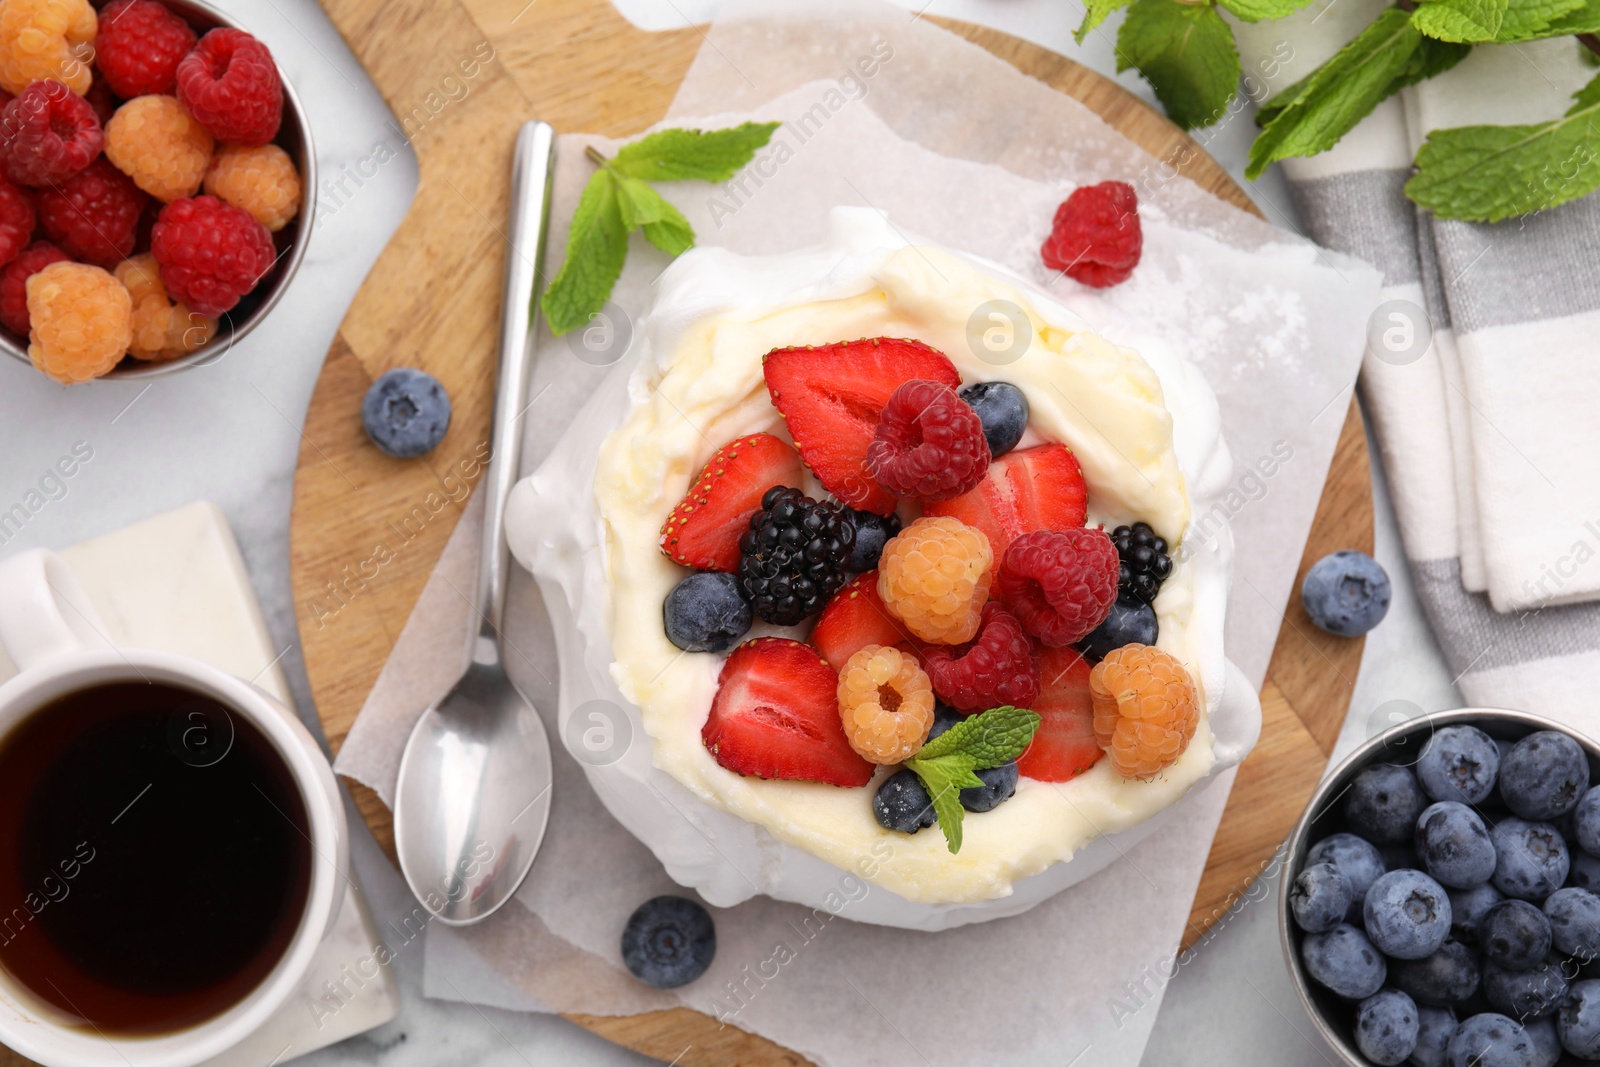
173 847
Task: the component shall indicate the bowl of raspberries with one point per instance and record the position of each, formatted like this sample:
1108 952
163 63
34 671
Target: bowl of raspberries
1441 895
156 181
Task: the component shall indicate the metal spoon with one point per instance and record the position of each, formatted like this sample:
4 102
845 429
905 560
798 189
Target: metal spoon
473 794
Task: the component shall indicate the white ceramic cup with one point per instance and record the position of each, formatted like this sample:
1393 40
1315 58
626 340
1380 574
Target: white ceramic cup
52 634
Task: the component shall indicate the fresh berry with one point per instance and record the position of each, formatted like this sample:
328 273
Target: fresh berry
832 397
1143 559
1383 803
1585 870
1515 935
1346 593
1544 775
1064 745
230 85
139 46
1434 1027
1444 978
81 321
406 412
999 786
929 444
102 101
48 134
1060 584
1319 899
668 942
793 555
902 804
45 39
776 715
1459 763
997 667
1343 960
885 703
1003 410
854 619
1585 816
1490 1040
1526 994
1546 1039
1454 846
153 140
1407 914
935 577
944 717
16 221
873 531
1578 1020
211 253
94 215
1130 622
703 531
1023 492
1468 907
1532 859
1357 860
14 283
1096 238
262 180
1145 712
162 330
706 613
1386 1027
1574 916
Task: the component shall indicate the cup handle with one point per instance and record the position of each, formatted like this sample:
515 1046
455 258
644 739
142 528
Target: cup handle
44 612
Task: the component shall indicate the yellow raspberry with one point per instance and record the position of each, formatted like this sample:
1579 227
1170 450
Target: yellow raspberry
154 141
43 40
1145 710
934 577
886 703
262 180
81 321
162 330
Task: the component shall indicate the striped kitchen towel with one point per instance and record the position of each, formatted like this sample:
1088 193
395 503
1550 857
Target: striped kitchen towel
1482 372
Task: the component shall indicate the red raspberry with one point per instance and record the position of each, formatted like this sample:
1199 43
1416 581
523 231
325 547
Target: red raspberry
104 103
1096 239
230 85
211 253
94 215
14 283
998 667
48 134
1060 584
929 444
138 47
16 221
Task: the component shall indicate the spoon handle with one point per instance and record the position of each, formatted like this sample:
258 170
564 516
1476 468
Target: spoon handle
532 172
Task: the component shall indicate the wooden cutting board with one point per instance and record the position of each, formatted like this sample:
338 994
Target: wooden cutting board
432 301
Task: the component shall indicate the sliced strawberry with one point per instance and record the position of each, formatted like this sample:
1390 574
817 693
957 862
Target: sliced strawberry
703 530
854 619
776 715
832 396
1064 746
1039 488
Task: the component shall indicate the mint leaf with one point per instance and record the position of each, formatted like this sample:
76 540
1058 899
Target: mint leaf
989 738
944 777
1582 19
1286 96
1431 57
1256 10
1528 20
1460 20
1489 173
1186 53
597 245
679 155
644 208
1094 13
1340 93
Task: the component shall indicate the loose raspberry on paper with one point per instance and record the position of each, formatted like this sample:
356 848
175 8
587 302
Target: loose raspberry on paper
48 134
1059 583
929 444
1096 239
230 85
14 283
211 253
261 180
139 46
94 215
82 321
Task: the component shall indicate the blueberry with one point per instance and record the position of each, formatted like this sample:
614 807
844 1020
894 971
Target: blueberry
1468 907
406 412
902 804
1546 1041
1574 922
1446 978
1003 410
1544 775
1578 1021
706 612
1356 859
1531 859
1131 622
1407 915
872 533
1399 855
1454 845
1586 821
1386 1027
1343 960
1459 763
1434 1027
1490 1040
944 717
1585 870
999 786
1346 593
1319 898
1383 803
668 942
1529 994
1515 935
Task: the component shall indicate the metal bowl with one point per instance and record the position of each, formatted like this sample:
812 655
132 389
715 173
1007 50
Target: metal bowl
293 137
1335 1017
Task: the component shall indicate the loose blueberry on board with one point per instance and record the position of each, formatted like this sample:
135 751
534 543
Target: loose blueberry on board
1532 859
1454 845
1578 1020
1343 960
1586 821
1407 915
1574 916
1529 994
902 804
668 942
1002 409
1544 775
999 786
1459 763
1383 804
1444 979
1131 622
1515 935
1434 1027
1346 593
707 613
1490 1040
1468 907
1144 563
1386 1027
406 412
1356 859
1546 1041
873 531
1319 898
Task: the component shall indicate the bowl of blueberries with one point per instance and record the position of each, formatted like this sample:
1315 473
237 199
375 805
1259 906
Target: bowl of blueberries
1441 895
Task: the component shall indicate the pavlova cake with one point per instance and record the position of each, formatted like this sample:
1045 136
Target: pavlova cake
870 594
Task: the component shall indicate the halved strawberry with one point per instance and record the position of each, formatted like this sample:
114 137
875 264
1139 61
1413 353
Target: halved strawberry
832 396
703 530
854 619
1039 488
1064 746
776 715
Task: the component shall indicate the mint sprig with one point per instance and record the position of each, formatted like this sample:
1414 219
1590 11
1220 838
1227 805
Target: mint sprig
947 764
1186 53
619 200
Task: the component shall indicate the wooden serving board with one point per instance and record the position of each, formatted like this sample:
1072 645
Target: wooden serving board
432 301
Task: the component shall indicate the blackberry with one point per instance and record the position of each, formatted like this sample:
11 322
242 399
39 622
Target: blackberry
1145 563
795 555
